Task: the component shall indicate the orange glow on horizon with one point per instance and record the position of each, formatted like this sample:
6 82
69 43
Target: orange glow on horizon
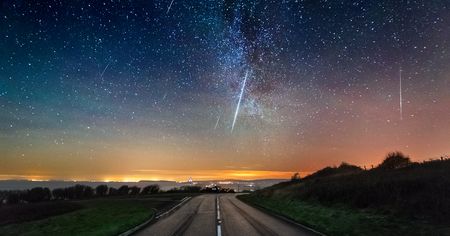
176 176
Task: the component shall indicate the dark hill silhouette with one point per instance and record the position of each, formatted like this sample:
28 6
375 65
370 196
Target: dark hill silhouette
417 189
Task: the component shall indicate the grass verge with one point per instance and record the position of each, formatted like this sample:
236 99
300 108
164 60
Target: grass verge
343 220
96 218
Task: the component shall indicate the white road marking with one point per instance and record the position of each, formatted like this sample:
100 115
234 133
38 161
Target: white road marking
219 231
173 208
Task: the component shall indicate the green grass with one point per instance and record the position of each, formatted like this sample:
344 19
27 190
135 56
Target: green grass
96 218
343 220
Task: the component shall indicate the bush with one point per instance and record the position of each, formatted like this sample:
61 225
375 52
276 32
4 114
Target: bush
101 190
150 189
112 191
296 176
58 194
135 190
348 168
39 194
13 197
123 190
88 191
395 160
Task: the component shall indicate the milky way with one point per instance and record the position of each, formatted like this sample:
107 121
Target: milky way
100 89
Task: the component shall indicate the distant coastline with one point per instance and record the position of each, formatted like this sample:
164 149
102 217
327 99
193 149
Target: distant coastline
250 185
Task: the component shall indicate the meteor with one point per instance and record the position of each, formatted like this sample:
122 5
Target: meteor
239 103
217 123
168 9
105 69
401 110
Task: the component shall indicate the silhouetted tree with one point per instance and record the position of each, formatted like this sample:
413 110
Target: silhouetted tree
101 190
123 190
39 194
146 190
112 191
88 191
296 176
154 189
135 190
23 196
395 160
13 197
150 189
69 192
79 189
58 193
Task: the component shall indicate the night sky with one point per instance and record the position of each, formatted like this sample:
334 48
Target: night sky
216 89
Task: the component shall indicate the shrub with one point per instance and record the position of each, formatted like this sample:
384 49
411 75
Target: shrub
123 190
112 191
58 193
296 176
101 190
348 168
39 194
135 190
150 189
395 160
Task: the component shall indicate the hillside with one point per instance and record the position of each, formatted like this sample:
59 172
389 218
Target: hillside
413 193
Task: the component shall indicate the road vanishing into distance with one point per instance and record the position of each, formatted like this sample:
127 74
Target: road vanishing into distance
221 214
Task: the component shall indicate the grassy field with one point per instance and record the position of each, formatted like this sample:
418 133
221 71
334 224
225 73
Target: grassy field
18 213
96 217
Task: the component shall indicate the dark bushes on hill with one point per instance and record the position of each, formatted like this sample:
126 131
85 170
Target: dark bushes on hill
416 189
395 160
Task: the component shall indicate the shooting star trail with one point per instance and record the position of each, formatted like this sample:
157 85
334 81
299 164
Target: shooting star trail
401 109
105 69
168 9
239 103
217 123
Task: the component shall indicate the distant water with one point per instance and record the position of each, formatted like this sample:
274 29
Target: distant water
163 185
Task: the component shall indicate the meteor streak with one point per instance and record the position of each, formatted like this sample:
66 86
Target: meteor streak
168 9
401 111
105 69
239 103
217 123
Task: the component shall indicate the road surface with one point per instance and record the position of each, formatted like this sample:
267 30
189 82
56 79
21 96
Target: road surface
221 214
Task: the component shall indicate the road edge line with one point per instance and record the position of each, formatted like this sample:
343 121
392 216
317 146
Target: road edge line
136 228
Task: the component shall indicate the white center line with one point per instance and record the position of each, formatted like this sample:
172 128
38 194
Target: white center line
219 231
218 210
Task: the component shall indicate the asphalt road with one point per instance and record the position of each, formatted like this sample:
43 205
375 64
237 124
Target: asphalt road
221 214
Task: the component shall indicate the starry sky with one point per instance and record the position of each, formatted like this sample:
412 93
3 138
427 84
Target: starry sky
218 89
